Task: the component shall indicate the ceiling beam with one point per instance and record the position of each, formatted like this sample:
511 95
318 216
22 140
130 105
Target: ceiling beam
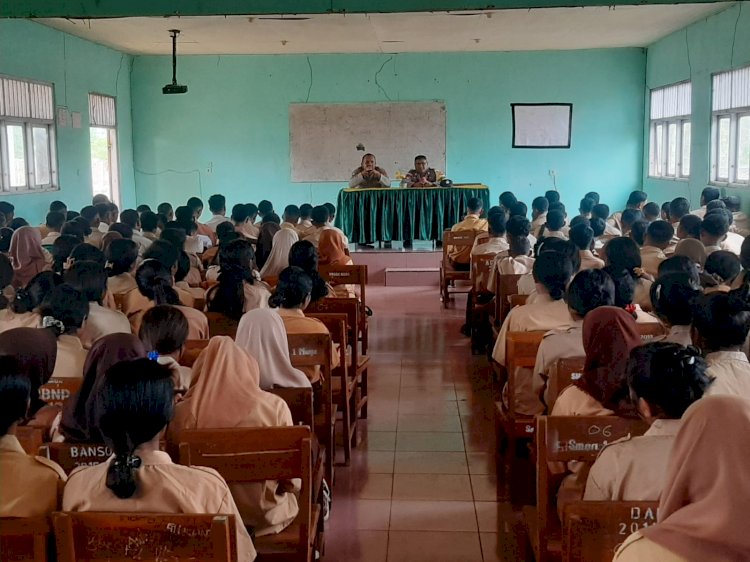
132 8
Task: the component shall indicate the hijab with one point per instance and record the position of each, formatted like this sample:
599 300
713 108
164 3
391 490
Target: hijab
693 249
278 259
703 506
26 255
609 333
79 418
331 248
265 242
35 349
261 333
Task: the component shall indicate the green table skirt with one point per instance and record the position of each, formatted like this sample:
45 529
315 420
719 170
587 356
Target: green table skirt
369 215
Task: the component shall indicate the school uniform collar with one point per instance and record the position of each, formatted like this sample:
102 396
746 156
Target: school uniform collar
651 250
10 444
725 356
664 428
587 254
152 457
291 312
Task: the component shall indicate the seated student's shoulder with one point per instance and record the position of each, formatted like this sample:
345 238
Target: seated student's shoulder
50 467
638 548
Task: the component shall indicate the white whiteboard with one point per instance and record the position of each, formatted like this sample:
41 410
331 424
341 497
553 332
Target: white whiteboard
323 138
541 125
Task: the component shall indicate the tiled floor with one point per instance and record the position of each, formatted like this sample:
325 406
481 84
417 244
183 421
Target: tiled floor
422 484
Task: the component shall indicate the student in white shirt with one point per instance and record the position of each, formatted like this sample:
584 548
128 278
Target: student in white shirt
707 195
539 208
672 298
217 204
714 228
496 241
132 219
331 219
740 224
553 226
582 236
53 224
721 322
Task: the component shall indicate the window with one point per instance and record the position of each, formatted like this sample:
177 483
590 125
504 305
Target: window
730 127
28 159
105 175
669 133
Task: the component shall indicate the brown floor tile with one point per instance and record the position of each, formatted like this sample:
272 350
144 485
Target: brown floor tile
428 422
410 546
361 515
484 487
423 515
447 487
430 463
429 441
357 546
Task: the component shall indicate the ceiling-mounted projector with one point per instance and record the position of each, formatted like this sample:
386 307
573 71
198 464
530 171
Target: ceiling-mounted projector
174 87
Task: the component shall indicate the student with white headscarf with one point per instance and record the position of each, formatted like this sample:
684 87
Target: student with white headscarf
278 260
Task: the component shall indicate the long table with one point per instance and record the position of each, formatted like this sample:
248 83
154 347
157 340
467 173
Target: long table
369 215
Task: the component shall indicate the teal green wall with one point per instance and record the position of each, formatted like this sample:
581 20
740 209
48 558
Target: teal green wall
76 67
695 53
234 119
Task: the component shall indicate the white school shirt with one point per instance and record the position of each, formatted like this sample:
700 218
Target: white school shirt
215 221
589 260
732 243
731 371
491 246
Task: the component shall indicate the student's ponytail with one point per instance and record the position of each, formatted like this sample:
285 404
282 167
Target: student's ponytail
121 470
155 283
293 288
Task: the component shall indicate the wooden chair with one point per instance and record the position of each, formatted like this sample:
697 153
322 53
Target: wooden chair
25 538
359 362
91 535
300 402
310 350
351 275
650 331
58 390
221 325
30 437
345 382
564 439
72 455
199 303
256 455
592 531
448 274
505 286
566 372
191 351
481 300
518 300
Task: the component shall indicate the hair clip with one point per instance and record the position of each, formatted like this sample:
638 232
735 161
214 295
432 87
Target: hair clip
630 308
153 355
52 322
130 461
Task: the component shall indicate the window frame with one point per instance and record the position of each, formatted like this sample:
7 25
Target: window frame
112 148
658 168
734 116
28 124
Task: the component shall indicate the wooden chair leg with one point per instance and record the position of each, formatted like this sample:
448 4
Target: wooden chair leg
346 420
354 418
363 394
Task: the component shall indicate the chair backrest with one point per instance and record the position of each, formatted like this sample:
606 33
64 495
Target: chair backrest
565 372
191 351
300 402
334 305
593 531
505 286
481 269
116 537
311 350
58 390
30 437
520 352
255 455
199 303
24 538
650 331
221 325
565 439
336 324
457 239
72 455
346 275
518 300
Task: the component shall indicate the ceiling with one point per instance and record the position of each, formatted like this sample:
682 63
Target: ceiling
491 30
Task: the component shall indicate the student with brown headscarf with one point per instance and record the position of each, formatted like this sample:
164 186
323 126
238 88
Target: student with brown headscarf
703 507
226 393
27 255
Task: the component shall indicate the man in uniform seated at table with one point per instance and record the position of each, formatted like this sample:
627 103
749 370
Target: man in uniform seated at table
369 174
460 256
422 175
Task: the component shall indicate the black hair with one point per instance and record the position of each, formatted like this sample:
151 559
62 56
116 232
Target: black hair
582 236
496 223
133 405
630 216
175 236
723 319
420 157
715 204
164 329
519 209
183 215
264 207
30 297
84 224
732 203
598 226
678 208
692 225
130 217
723 265
594 196
58 206
668 376
540 204
143 208
305 210
240 213
293 288
623 253
723 211
320 214
125 230
217 203
252 209
194 203
55 220
292 211
709 194
637 198
271 217
164 208
600 211
102 209
557 206
305 256
89 278
72 215
225 231
494 210
331 209
74 228
578 219
88 252
586 205
564 247
67 305
680 264
555 220
183 266
18 222
474 205
714 224
6 235
155 282
6 278
15 393
665 210
660 232
149 221
7 208
61 250
508 199
121 254
163 251
237 260
552 196
518 226
651 211
590 289
519 245
673 296
553 270
624 285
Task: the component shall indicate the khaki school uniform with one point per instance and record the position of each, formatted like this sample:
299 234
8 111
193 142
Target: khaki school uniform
122 283
256 295
303 228
589 260
29 485
70 357
50 238
731 371
701 212
135 306
10 320
642 295
101 322
295 322
555 234
615 223
638 548
651 257
557 344
472 223
163 487
248 230
711 249
95 238
740 224
633 468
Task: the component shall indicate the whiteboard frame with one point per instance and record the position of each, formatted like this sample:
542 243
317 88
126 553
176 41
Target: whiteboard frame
570 124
